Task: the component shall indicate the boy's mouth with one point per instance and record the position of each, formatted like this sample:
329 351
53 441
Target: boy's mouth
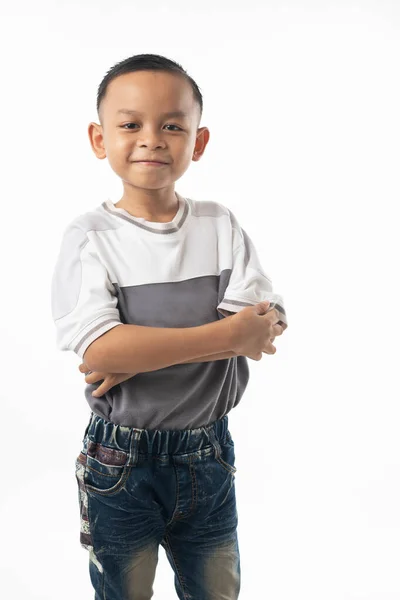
150 163
152 160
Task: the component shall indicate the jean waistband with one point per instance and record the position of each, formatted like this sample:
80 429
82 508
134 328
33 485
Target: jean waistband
154 441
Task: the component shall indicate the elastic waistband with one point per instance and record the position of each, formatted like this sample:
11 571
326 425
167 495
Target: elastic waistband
154 441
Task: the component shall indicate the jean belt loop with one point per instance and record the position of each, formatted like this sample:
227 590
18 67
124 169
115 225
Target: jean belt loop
134 447
214 441
87 427
226 426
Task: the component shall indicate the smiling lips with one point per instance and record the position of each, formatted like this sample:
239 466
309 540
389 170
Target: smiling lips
151 162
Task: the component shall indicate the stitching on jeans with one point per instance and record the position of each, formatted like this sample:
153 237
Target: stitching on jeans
177 517
177 568
230 469
173 518
194 486
106 474
118 486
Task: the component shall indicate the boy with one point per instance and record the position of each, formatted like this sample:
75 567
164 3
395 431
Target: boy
162 298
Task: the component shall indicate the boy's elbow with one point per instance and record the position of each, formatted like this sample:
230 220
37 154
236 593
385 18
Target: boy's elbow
97 354
92 356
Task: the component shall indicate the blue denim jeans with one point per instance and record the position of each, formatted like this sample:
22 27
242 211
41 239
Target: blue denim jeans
141 488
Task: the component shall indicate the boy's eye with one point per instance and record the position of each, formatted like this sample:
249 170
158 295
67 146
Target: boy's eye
126 125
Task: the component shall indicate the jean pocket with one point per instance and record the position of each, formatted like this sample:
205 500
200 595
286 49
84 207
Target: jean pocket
226 457
106 471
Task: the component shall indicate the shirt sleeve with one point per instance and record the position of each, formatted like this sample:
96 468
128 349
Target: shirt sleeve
248 283
83 298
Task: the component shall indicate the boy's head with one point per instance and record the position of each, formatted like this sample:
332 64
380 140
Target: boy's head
152 86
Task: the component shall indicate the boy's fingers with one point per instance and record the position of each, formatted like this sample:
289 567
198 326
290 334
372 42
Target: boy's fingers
108 383
270 349
102 389
94 377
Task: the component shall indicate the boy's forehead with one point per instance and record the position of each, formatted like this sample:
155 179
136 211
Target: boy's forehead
144 91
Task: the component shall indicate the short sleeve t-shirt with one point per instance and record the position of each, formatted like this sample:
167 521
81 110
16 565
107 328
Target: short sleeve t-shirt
114 268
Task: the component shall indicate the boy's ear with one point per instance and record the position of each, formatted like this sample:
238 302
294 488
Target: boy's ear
202 137
95 132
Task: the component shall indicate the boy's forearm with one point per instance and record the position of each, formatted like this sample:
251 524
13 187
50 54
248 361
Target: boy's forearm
212 357
139 349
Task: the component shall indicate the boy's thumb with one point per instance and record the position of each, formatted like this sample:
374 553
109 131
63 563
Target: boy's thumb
262 307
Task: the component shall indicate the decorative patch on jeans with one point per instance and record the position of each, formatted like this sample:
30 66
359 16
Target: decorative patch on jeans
106 455
85 536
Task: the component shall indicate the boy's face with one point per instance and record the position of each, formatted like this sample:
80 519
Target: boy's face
149 134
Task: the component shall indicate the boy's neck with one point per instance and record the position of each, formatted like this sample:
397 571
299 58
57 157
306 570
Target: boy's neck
152 205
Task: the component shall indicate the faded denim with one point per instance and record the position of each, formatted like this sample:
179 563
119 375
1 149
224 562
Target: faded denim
141 488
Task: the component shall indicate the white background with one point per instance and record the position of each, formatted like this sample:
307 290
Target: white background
302 101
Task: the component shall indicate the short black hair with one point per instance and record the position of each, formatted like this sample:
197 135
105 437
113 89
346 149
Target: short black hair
146 62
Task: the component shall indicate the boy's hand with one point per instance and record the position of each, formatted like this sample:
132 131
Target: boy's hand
253 328
282 325
110 379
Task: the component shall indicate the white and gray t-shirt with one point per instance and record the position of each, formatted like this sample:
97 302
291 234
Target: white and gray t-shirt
114 268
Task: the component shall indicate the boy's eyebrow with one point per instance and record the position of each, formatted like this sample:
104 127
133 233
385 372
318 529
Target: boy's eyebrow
176 113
